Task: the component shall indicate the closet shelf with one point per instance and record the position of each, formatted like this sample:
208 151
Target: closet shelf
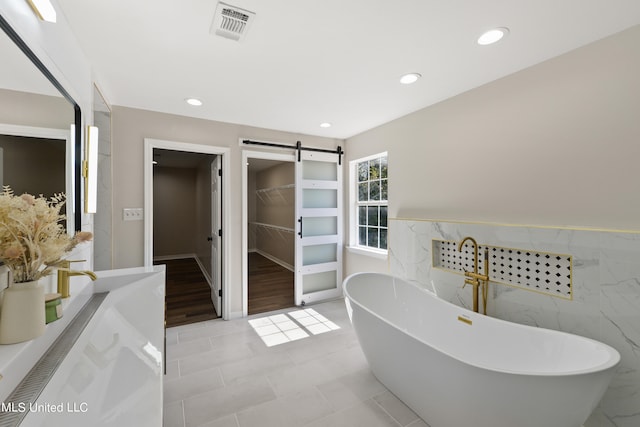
273 227
280 187
266 193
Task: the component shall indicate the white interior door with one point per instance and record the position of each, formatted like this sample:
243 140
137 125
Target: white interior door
216 234
319 227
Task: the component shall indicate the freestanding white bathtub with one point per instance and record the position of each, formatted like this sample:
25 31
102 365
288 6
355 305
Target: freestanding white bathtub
457 368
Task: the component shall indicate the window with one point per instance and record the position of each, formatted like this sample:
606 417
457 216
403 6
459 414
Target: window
369 218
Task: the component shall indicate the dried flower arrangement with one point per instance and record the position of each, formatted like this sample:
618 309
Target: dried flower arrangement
32 238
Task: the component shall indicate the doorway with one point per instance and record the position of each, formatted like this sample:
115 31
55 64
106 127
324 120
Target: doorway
268 218
271 244
313 222
185 217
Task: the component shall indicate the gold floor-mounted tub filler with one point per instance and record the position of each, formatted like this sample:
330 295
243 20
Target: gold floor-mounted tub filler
474 278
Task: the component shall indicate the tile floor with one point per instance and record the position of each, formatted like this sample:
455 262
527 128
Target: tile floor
223 374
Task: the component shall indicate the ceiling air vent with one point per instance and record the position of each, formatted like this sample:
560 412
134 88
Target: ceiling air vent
231 22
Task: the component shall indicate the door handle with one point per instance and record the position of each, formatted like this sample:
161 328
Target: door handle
300 232
209 239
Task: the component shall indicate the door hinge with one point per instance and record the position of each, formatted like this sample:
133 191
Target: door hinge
219 172
219 292
220 232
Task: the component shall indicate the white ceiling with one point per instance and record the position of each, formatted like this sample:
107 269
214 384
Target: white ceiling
304 62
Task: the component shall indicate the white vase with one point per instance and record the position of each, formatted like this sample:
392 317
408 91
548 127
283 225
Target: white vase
22 315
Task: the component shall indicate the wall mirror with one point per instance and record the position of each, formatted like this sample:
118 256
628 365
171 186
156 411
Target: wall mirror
40 128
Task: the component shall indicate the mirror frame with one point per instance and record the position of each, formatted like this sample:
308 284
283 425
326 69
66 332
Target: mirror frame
77 137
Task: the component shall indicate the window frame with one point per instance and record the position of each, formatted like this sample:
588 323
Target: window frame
354 204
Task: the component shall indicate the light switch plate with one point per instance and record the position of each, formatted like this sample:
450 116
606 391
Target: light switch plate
133 214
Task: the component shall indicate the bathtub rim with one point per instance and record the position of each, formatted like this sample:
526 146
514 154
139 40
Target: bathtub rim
611 363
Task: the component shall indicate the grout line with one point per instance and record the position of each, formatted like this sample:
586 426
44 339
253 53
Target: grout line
383 408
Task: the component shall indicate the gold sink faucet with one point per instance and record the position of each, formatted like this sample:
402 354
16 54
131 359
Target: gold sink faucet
474 278
65 272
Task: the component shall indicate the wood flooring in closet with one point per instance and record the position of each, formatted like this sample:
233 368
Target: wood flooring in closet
270 285
188 295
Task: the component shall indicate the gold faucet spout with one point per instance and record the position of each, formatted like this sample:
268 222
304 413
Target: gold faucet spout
64 273
89 273
475 251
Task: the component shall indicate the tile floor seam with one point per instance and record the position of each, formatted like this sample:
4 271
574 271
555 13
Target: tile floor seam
373 399
348 407
334 412
182 399
224 383
273 389
333 409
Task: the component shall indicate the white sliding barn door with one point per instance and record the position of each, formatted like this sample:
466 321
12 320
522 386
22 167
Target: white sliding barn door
319 227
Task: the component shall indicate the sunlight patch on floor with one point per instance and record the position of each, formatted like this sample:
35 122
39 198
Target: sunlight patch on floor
295 325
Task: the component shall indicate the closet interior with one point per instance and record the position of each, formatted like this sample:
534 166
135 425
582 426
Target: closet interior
271 240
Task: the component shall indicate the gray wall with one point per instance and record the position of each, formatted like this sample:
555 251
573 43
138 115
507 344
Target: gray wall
33 165
174 213
555 144
130 128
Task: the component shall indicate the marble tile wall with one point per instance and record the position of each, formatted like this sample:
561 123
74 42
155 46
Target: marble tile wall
103 218
605 304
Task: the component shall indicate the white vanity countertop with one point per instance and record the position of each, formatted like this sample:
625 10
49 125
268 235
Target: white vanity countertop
112 376
17 359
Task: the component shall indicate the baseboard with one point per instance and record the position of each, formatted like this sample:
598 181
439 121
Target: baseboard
169 257
204 271
276 260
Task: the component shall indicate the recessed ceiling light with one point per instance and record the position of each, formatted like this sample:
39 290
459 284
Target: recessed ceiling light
407 79
492 36
194 101
325 125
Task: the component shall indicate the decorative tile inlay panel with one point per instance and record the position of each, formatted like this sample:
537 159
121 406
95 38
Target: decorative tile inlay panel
549 273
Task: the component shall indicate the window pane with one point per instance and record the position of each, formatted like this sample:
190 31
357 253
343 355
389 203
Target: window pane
362 239
363 192
374 190
362 215
383 238
373 237
374 169
372 215
363 171
383 216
